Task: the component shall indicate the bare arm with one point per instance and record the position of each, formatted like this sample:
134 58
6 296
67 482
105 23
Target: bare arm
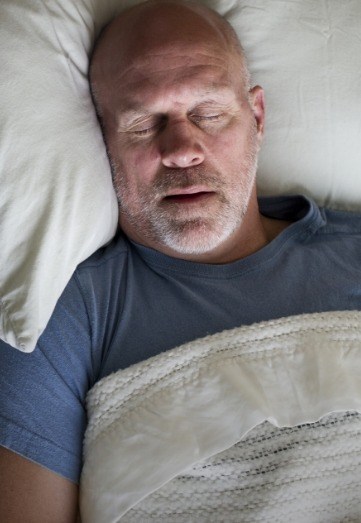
31 493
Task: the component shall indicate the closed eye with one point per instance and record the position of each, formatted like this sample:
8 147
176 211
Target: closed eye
207 121
143 132
149 127
210 117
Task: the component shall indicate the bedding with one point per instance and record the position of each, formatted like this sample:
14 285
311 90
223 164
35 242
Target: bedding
260 421
57 204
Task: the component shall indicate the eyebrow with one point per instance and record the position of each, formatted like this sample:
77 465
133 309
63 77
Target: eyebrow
133 113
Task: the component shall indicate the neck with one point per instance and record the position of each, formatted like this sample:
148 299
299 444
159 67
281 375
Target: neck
255 232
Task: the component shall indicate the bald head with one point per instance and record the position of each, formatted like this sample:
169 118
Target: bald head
154 27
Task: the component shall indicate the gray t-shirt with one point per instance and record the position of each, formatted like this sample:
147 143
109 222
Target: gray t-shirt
127 303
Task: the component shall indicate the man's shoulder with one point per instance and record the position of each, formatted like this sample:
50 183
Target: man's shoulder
101 275
341 222
112 253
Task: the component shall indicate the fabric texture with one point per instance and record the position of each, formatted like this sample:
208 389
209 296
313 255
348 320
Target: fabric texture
304 473
127 303
57 205
155 420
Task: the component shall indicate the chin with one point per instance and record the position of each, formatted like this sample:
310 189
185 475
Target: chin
196 240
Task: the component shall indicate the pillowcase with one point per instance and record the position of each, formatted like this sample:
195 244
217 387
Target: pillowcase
307 57
57 204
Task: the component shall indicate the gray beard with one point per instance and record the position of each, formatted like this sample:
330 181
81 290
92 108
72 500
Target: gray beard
158 223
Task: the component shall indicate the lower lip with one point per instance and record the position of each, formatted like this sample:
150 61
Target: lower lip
188 198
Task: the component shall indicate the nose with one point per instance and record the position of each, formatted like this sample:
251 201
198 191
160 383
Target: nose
180 146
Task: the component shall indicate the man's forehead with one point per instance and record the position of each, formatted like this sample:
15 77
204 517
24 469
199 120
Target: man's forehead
173 65
142 62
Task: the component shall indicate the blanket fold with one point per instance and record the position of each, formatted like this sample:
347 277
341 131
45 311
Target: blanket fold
152 422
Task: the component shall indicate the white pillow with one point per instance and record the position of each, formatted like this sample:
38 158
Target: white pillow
57 204
306 54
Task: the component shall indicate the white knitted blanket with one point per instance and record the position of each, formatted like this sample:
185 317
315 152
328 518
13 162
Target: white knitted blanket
254 424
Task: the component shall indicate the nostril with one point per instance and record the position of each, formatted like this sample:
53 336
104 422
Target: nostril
185 161
181 158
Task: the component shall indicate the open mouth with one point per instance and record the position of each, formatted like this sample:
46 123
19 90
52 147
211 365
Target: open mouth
188 197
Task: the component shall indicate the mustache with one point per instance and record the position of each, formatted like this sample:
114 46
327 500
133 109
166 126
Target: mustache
183 178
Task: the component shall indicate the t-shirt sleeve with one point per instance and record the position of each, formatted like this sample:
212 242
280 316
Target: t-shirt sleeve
42 394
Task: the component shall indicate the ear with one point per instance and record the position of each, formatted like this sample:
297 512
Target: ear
257 103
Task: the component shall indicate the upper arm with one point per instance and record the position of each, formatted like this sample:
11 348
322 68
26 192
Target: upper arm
31 493
42 407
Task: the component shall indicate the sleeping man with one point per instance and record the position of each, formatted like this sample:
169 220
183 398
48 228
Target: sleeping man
197 251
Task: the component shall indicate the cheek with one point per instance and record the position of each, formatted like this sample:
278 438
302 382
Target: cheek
229 146
137 168
241 138
140 161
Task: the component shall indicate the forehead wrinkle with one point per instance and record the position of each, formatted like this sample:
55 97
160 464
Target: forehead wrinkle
146 66
132 89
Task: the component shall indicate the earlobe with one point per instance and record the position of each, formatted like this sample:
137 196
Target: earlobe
257 102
